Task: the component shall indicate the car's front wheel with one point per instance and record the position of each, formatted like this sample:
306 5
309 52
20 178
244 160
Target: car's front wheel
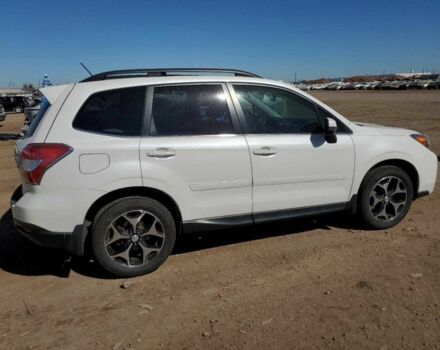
133 236
386 195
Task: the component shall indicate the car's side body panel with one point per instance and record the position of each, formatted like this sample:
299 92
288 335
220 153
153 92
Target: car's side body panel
374 149
301 169
77 188
304 171
208 176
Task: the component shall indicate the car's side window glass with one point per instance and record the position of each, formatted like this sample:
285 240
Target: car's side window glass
190 110
270 110
115 112
37 119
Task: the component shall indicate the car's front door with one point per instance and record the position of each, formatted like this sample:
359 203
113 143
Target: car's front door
193 150
293 165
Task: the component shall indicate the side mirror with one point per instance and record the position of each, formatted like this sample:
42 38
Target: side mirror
330 130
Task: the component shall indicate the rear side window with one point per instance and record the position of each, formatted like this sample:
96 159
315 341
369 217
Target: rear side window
190 110
115 112
37 118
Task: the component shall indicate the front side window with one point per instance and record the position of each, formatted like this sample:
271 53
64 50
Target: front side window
270 110
190 110
115 112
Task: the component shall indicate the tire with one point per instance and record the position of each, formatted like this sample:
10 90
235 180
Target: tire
396 201
133 254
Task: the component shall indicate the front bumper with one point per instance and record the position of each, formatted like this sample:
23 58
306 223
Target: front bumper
428 172
72 242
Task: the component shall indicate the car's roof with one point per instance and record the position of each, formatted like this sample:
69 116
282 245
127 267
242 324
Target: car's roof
141 81
91 87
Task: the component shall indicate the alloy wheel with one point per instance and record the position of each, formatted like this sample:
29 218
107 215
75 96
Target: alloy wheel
134 238
388 198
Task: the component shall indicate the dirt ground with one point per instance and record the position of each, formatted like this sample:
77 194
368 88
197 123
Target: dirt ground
306 284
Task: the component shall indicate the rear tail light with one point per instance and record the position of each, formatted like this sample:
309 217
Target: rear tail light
423 139
36 158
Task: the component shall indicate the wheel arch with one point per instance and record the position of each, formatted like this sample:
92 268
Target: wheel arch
406 166
149 192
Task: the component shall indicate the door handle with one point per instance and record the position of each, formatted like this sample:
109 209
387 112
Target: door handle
161 153
264 151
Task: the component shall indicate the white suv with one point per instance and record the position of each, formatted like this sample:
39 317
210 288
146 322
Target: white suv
124 161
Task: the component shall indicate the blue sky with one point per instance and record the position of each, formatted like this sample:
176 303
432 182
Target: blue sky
271 38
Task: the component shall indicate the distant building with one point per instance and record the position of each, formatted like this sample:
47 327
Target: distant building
15 92
423 75
11 91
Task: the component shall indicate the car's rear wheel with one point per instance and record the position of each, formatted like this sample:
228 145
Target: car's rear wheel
133 236
385 197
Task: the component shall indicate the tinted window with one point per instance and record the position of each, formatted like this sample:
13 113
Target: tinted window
190 110
37 118
276 111
115 112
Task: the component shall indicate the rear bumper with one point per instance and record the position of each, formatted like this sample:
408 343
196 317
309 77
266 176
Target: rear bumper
422 194
72 242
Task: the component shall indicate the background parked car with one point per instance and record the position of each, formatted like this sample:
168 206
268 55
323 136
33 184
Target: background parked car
31 111
2 114
377 84
15 104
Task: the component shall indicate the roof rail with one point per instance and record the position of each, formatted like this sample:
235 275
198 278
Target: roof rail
162 72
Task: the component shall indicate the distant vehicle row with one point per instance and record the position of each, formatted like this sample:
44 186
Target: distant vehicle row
374 85
17 104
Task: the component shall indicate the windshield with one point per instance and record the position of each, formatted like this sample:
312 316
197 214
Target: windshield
37 119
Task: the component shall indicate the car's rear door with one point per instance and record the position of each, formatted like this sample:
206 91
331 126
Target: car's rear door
293 165
193 150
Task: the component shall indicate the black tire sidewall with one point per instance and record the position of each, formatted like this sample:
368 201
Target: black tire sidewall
367 185
111 212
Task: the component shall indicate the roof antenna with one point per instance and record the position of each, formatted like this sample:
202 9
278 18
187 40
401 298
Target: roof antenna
86 69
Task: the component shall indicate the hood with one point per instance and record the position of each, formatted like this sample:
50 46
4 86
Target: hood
387 130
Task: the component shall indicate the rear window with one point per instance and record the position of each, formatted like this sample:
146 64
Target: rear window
38 118
115 112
